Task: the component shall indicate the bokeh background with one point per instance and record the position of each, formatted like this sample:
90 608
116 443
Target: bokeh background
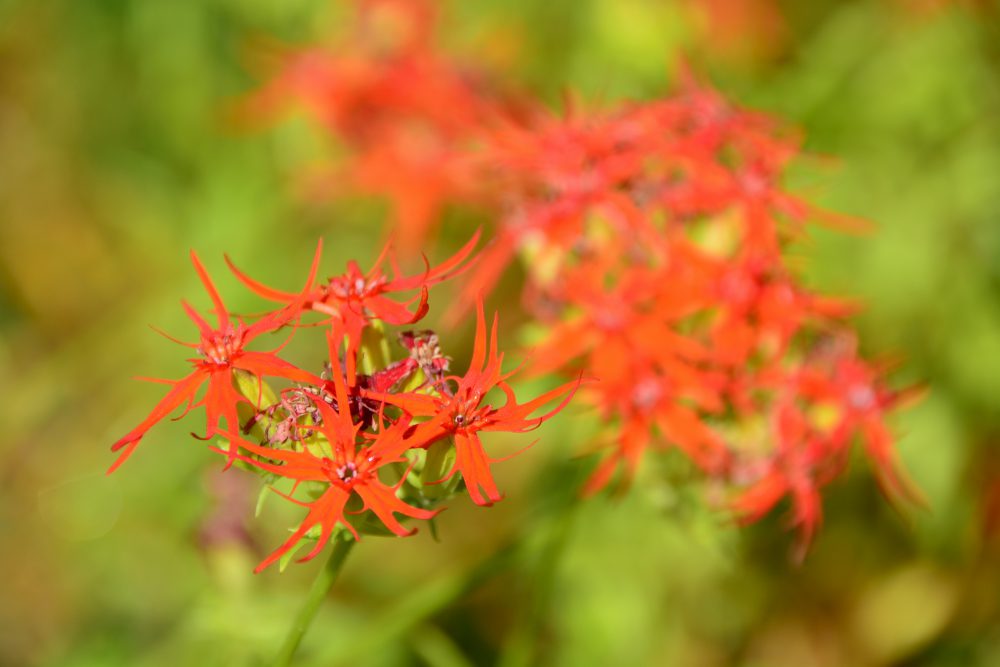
122 147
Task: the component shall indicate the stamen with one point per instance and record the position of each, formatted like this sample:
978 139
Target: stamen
347 472
220 349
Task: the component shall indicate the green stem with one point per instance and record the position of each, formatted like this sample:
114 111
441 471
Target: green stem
556 514
422 603
375 352
320 589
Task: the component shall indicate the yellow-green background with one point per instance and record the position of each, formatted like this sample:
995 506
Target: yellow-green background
119 152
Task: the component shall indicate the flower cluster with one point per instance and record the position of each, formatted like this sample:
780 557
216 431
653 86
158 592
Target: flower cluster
404 117
655 241
368 439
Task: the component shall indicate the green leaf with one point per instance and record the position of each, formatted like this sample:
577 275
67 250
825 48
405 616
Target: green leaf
440 460
253 389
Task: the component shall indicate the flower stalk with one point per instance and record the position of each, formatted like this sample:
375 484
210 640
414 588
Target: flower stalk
321 587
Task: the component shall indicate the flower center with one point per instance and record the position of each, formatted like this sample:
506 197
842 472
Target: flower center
861 397
754 182
347 472
468 413
220 348
344 474
607 320
646 394
353 285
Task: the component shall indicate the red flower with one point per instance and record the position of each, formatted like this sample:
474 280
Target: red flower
222 353
619 327
818 409
802 463
862 400
463 414
760 308
345 466
670 400
351 300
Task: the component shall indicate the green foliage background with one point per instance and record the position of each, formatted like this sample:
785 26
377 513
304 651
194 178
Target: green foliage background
120 150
